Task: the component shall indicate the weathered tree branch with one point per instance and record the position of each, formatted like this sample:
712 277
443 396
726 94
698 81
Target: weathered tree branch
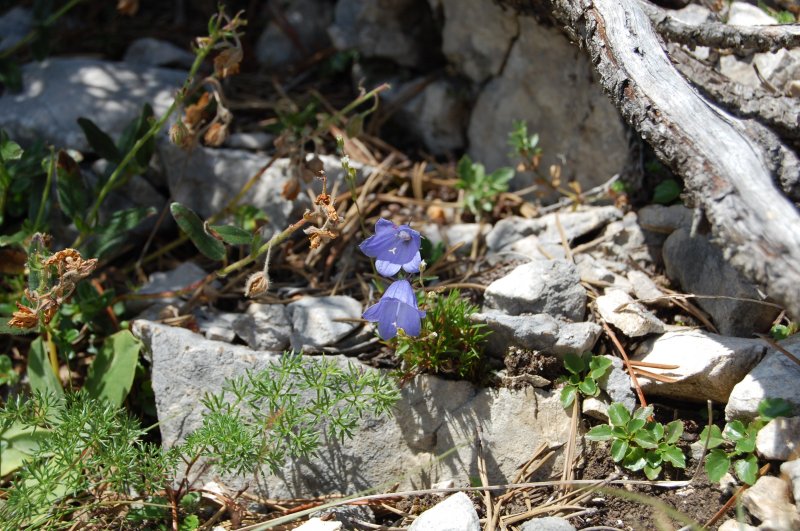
775 110
719 35
724 168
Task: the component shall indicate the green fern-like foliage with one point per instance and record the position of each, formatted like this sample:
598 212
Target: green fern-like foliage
449 343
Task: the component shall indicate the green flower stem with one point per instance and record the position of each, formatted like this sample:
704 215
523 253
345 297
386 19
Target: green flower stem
155 128
275 240
51 168
35 32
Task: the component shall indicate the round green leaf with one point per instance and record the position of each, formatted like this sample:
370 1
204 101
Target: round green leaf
600 433
618 415
735 430
635 459
589 387
645 439
674 456
618 449
770 408
643 413
652 473
634 425
568 395
573 363
747 469
717 464
674 431
714 436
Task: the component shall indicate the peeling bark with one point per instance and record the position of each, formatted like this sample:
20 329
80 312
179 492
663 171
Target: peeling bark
728 164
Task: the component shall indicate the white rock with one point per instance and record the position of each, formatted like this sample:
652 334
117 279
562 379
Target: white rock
545 93
455 513
775 377
595 408
779 440
437 116
315 321
709 365
257 140
768 500
645 289
744 14
452 234
264 327
58 91
791 469
317 524
167 282
634 320
692 14
148 51
546 286
548 523
477 36
733 525
617 384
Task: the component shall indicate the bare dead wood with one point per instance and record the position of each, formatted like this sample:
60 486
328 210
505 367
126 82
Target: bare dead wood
720 35
723 165
774 110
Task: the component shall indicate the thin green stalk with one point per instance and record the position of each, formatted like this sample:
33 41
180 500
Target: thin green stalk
275 240
35 32
155 128
51 167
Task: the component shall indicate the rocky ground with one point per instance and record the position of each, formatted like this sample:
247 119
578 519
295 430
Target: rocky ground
553 274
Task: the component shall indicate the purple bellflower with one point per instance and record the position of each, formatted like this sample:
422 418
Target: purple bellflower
393 247
396 309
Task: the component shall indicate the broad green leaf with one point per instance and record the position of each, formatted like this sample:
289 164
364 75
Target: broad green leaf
652 473
233 235
598 366
112 371
656 429
115 231
501 176
464 171
73 195
643 413
18 443
573 363
635 459
600 433
717 464
589 387
666 192
100 142
674 431
645 439
674 456
618 415
40 373
714 436
192 225
746 469
747 443
771 408
9 150
653 458
136 130
635 425
735 430
568 395
618 449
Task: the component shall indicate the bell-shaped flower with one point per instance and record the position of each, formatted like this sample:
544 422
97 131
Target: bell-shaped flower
396 309
393 247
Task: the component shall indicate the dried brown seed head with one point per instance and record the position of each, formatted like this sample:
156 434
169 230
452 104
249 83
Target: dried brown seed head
227 62
216 134
256 284
24 317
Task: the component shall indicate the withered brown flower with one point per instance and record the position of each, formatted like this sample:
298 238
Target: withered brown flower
226 63
256 284
24 317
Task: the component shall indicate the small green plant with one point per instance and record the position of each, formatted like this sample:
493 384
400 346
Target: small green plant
481 190
740 439
639 443
666 192
782 331
449 343
75 455
525 146
584 372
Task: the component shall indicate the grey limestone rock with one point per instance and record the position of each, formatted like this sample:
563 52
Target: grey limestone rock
455 513
148 51
779 440
433 416
768 500
58 91
699 268
617 384
437 115
264 327
548 523
545 93
775 377
542 286
321 321
477 49
14 25
709 365
633 319
664 219
791 469
309 21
